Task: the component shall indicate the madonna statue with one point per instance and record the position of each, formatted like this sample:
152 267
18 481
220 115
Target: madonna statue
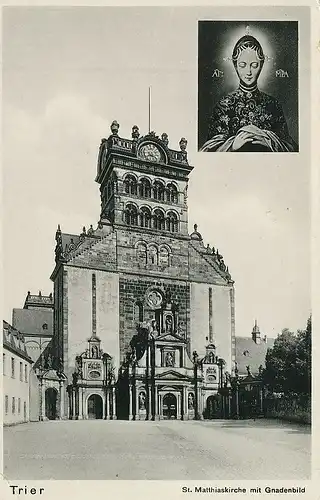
248 120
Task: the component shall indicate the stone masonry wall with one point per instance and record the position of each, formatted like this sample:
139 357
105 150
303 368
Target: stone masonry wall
133 289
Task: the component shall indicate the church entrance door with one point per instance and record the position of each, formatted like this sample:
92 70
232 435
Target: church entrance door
169 406
51 403
95 407
213 409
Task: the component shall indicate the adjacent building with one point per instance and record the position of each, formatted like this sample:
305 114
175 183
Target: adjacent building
16 376
35 322
251 352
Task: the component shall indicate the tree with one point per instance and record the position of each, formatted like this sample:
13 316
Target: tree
288 363
303 362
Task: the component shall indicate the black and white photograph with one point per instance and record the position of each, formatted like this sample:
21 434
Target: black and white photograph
248 86
157 313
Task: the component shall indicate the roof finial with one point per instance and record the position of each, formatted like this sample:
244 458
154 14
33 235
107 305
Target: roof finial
248 30
183 143
135 132
115 127
195 227
165 138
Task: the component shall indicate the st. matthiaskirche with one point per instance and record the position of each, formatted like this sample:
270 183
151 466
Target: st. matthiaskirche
143 310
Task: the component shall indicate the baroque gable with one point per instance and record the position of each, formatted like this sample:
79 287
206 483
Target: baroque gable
207 265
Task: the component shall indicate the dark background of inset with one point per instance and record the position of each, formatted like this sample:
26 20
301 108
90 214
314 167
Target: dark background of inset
212 37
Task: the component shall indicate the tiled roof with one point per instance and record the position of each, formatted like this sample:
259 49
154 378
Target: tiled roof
14 340
248 353
30 321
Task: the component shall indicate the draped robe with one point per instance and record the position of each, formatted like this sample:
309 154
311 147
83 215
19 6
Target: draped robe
241 110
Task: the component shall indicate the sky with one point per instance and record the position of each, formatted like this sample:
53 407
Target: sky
67 74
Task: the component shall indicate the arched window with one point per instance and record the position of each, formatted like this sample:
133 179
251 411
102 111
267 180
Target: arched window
141 253
163 257
158 219
130 184
138 312
145 217
131 215
172 222
158 191
172 193
145 188
153 255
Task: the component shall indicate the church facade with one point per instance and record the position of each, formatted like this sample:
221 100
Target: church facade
144 322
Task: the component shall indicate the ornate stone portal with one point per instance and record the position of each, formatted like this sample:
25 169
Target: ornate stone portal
92 392
161 379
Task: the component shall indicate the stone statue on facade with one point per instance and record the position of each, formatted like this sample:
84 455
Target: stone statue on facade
94 352
142 401
183 144
165 139
169 360
135 134
190 401
169 326
90 230
115 127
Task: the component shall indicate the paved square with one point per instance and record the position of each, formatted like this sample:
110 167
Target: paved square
99 449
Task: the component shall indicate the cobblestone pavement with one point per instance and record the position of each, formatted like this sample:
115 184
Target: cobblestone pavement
98 449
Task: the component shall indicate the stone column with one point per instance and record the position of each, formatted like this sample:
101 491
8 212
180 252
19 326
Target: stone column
61 397
43 401
179 406
156 403
69 405
80 396
185 404
107 416
85 406
114 412
40 400
130 402
149 403
200 404
161 407
73 404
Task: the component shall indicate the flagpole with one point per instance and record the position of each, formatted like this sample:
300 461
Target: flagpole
149 109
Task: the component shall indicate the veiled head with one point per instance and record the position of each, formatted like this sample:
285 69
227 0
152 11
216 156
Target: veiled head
248 59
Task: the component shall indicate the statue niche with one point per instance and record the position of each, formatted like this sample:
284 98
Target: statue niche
142 401
170 359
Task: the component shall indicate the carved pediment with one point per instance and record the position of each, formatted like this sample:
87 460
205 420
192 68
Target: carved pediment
172 375
170 337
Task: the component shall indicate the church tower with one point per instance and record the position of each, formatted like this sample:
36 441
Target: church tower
141 271
143 183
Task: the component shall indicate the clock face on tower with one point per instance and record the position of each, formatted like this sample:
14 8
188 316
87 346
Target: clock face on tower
150 152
